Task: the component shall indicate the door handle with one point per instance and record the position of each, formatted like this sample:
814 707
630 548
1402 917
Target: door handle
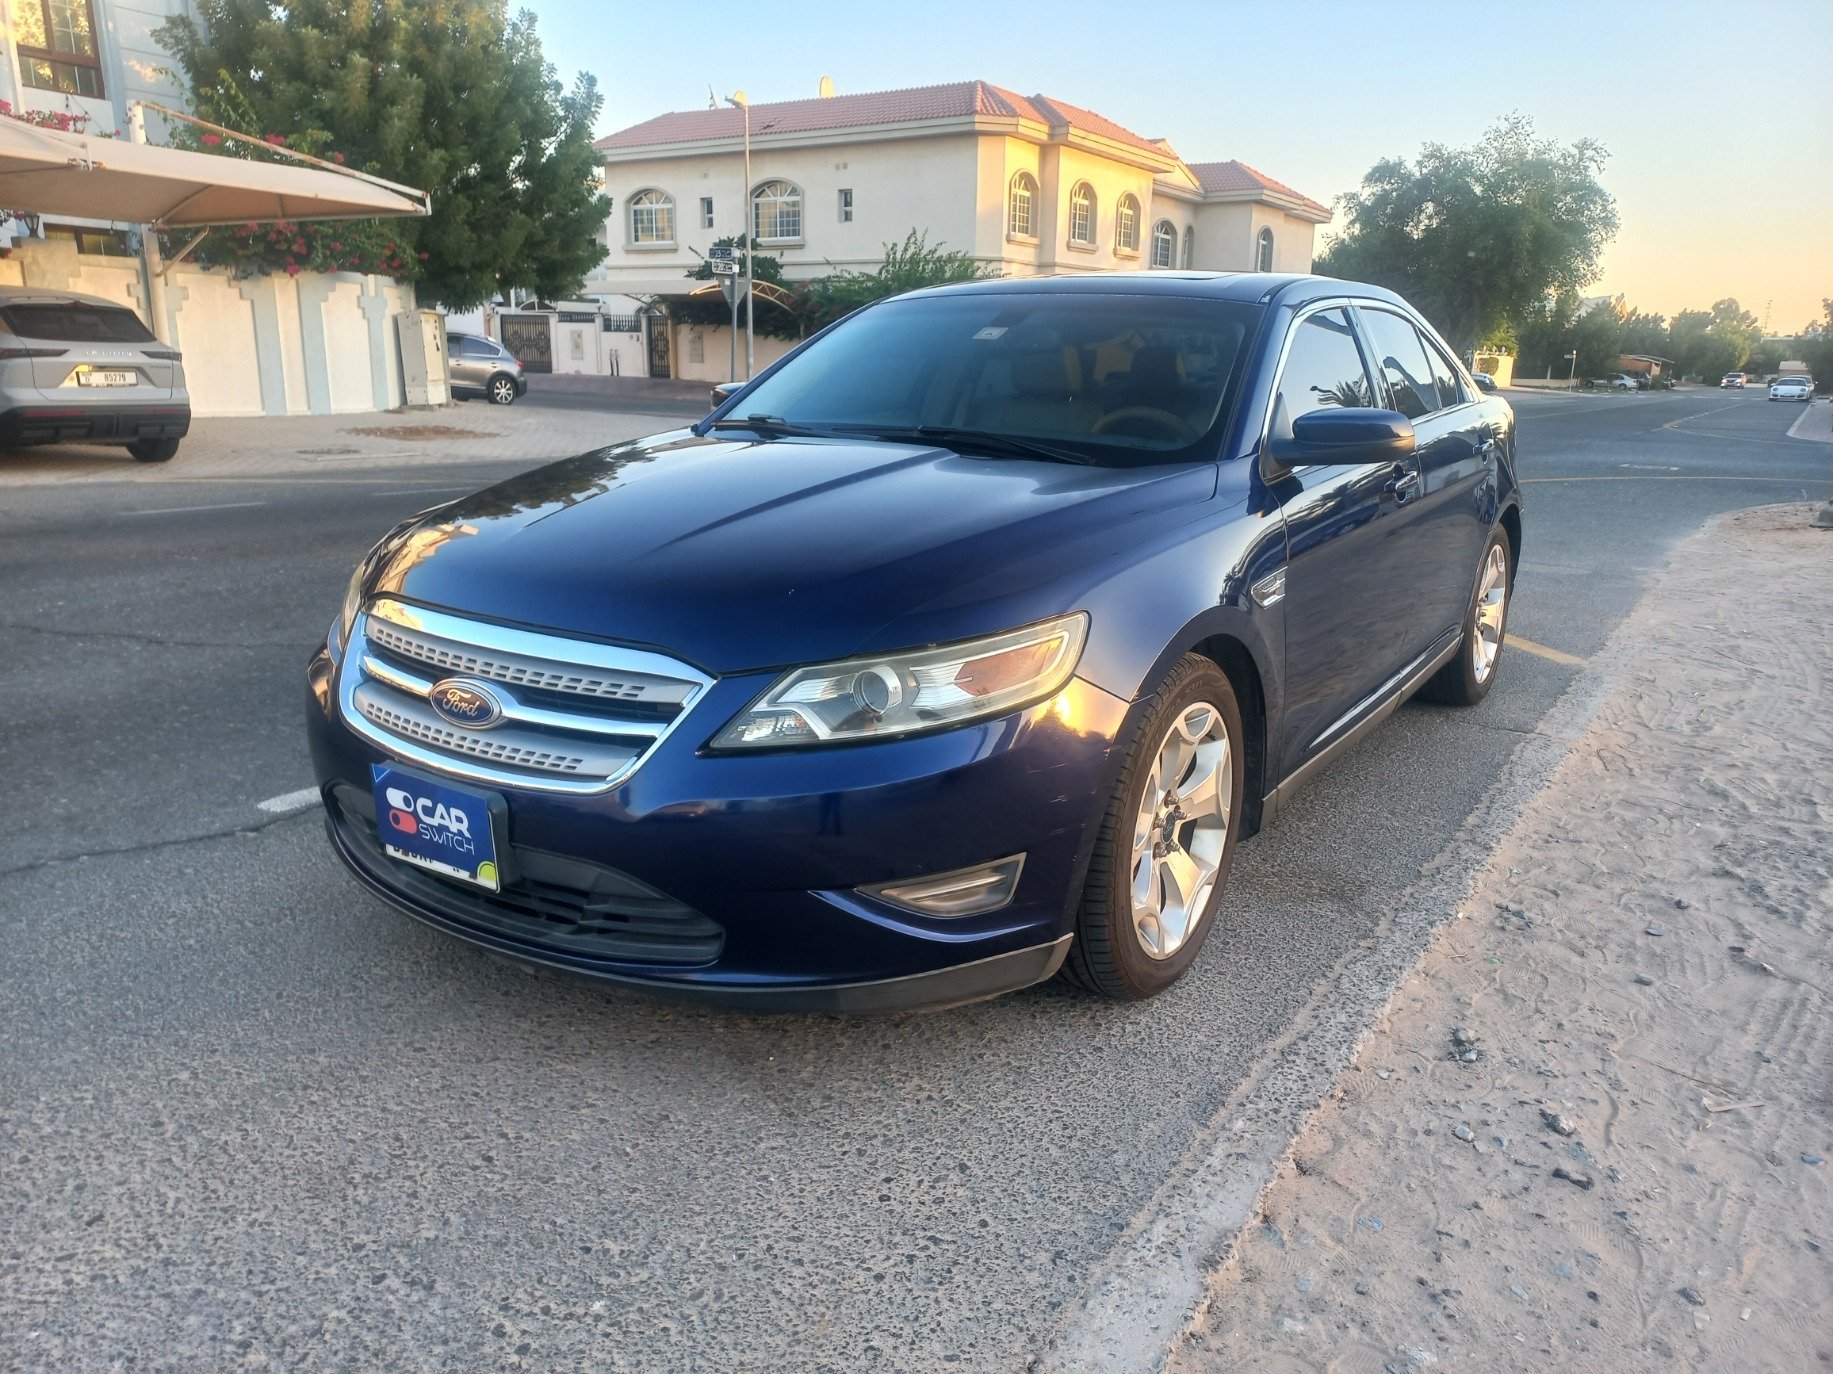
1404 485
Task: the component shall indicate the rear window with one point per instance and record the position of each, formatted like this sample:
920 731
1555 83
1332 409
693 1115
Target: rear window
75 323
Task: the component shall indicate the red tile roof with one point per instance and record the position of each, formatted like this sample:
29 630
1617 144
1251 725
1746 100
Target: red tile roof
957 100
1238 176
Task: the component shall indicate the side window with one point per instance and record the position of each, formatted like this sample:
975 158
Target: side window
1323 368
1450 389
1400 358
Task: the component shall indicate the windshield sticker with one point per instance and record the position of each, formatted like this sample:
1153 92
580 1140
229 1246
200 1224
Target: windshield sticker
992 331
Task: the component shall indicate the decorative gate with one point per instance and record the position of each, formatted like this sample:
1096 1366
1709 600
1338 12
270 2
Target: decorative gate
530 338
655 327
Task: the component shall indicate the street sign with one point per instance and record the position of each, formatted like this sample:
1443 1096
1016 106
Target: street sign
735 293
721 252
723 269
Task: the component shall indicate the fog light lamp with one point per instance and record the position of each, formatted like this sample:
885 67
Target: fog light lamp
962 892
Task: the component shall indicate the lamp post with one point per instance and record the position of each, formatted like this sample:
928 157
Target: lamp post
738 98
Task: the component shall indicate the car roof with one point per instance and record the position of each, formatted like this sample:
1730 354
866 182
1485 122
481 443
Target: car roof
40 295
1262 288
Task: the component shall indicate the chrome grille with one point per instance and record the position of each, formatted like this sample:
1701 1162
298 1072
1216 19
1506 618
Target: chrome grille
595 712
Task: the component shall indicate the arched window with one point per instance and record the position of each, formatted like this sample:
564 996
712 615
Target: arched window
1082 214
1164 243
652 217
1021 219
1263 255
1126 225
1190 248
776 211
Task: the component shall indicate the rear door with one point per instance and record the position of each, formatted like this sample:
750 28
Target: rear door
1456 489
1349 577
469 360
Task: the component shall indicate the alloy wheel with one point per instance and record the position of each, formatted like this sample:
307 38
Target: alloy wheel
1181 830
502 391
1492 610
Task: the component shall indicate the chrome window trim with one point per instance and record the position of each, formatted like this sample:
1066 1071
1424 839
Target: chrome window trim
1428 336
558 649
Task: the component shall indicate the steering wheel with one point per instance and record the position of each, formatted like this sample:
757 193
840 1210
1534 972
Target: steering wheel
1167 424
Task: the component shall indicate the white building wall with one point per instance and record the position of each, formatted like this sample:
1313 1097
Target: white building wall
897 185
311 344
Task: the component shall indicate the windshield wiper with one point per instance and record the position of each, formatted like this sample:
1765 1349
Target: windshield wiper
769 426
985 441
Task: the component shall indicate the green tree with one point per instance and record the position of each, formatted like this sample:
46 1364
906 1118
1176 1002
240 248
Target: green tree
1710 343
451 96
1598 336
1478 236
1815 348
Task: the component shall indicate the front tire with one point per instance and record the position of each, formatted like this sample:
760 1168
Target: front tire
1467 678
1167 841
502 390
153 450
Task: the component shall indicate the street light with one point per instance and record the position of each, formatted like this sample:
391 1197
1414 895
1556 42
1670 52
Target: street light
738 98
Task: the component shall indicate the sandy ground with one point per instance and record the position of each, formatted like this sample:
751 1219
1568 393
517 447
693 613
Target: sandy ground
1593 1130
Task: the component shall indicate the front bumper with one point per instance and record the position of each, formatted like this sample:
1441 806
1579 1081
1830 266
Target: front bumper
105 423
742 871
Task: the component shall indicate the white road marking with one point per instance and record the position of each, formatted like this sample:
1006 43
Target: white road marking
181 510
290 801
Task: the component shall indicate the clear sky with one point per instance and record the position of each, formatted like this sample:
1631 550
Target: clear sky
1718 116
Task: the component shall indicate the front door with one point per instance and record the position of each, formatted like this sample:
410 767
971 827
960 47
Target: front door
1350 581
656 326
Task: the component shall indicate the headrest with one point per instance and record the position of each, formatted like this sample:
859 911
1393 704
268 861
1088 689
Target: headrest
1156 374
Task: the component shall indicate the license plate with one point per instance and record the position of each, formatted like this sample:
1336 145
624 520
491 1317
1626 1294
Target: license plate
107 378
434 825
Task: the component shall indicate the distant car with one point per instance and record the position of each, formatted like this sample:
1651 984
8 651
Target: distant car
1484 381
1792 389
81 369
1623 381
483 367
1736 379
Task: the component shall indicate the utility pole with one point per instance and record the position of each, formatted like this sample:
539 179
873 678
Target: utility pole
738 98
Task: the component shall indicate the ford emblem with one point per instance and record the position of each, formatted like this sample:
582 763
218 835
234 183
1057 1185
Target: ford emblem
465 703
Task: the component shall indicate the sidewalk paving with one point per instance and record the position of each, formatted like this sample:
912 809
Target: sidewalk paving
266 446
629 392
1816 422
1593 1132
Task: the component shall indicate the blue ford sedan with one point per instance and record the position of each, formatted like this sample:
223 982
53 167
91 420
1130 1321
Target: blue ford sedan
957 650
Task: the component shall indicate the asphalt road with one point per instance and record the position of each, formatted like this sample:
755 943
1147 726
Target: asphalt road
247 1114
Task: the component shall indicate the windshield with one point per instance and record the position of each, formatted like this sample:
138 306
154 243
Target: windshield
1112 378
75 323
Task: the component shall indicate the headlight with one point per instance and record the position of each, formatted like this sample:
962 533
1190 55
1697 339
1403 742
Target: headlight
353 602
902 693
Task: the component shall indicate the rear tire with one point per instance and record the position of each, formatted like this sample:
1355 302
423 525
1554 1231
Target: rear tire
1186 765
1467 678
153 450
501 390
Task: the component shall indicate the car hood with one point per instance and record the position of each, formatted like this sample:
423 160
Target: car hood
738 555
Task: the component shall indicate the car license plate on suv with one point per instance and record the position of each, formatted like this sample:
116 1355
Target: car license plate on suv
107 378
450 830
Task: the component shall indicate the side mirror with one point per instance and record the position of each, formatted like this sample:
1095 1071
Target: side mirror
1350 435
725 391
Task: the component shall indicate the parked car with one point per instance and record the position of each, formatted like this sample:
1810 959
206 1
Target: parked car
81 369
1484 381
1623 381
960 647
483 367
1733 379
1792 389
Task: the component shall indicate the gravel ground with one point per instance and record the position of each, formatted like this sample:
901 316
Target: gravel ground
1593 1131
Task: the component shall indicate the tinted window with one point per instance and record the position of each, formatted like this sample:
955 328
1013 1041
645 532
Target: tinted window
1401 359
1323 368
75 323
463 346
1108 376
1450 389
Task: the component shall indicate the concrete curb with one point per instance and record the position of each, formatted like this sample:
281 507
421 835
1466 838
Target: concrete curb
1153 1287
1815 424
